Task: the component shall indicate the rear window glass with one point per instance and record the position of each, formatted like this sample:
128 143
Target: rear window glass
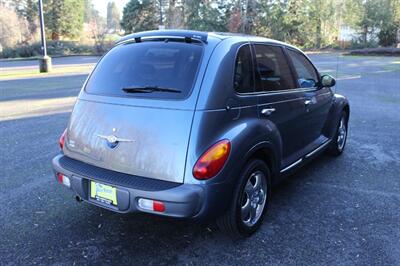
143 69
244 75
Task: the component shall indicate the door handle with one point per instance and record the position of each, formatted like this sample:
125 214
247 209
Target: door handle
308 102
267 111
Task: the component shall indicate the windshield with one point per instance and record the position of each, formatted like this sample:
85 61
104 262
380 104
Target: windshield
156 69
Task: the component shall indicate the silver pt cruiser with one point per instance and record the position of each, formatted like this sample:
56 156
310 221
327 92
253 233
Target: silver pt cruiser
197 125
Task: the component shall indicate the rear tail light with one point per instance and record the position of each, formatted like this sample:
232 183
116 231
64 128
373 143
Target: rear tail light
212 161
61 141
62 179
151 205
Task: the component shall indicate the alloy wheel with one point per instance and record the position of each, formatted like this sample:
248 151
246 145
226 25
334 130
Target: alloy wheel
254 198
342 134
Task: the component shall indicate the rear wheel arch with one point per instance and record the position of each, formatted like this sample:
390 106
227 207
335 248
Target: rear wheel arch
340 104
346 109
265 152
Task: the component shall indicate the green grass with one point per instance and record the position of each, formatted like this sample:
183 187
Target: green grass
352 57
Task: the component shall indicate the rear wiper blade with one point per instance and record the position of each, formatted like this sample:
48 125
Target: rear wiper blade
148 89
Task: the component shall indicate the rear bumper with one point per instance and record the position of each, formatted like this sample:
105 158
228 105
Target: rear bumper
197 201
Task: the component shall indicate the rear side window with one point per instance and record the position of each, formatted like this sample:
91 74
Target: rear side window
171 66
306 74
272 70
244 76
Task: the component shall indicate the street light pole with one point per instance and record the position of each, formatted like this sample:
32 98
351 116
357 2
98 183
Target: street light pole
45 61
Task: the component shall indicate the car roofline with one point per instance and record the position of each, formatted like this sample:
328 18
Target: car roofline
190 35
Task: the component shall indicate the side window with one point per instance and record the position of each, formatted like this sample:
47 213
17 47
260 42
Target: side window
244 77
273 72
307 76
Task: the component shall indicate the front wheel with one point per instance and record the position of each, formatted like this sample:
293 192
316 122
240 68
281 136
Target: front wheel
340 138
250 201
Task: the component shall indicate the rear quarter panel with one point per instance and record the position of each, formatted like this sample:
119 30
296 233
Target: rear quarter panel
338 105
246 134
223 114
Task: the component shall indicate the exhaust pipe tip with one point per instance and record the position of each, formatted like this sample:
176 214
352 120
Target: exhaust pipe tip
78 199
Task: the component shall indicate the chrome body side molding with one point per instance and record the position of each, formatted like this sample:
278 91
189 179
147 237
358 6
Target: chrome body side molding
292 165
318 149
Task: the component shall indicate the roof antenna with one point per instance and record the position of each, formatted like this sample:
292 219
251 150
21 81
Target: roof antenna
340 45
337 71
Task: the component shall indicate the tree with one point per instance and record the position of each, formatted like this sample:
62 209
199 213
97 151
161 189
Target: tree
205 15
294 23
175 14
28 9
285 20
243 15
113 17
235 20
12 27
139 16
322 22
98 29
271 18
374 18
64 18
389 22
363 15
250 9
89 12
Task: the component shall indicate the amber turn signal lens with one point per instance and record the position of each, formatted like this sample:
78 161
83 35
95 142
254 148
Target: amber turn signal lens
212 161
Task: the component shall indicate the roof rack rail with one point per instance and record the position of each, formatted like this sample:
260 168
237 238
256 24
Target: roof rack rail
185 34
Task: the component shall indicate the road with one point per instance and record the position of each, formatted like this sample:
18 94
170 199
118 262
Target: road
343 210
8 65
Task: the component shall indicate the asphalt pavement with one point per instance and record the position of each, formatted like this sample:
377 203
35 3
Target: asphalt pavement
7 65
340 211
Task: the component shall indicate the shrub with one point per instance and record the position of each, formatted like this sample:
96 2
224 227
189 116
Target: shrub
380 51
53 48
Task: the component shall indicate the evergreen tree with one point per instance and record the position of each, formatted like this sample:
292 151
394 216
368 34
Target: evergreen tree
64 18
322 22
205 15
139 16
389 22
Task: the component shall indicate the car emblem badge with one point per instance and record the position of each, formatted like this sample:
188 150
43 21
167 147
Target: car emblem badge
112 140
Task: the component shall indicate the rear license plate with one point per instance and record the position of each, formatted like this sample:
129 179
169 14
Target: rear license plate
103 193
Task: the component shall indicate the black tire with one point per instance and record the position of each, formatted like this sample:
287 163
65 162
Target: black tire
231 221
336 147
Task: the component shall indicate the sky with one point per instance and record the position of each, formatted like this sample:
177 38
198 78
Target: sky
101 5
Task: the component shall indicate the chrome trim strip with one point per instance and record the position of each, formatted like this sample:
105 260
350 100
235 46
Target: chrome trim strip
318 148
292 165
277 92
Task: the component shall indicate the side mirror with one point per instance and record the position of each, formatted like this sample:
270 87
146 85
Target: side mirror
327 81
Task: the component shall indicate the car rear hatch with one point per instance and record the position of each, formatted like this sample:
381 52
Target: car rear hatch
135 113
